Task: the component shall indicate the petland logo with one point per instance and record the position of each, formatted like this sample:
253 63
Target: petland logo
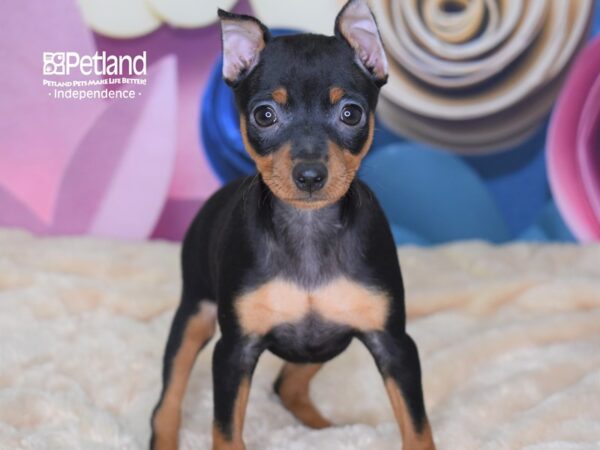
101 64
103 70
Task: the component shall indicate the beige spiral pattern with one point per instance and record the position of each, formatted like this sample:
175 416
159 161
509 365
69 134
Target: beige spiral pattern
476 76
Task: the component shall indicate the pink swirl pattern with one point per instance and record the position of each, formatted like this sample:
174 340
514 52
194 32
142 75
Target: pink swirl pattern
574 146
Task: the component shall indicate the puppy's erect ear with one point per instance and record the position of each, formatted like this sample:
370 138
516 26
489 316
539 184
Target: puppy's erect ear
356 25
243 39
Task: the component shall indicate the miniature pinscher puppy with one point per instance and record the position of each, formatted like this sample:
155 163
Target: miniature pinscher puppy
299 259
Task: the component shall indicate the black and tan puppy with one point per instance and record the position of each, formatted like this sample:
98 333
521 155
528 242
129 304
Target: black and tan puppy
298 260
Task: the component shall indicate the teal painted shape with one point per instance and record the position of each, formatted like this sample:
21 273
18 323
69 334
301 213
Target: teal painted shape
433 194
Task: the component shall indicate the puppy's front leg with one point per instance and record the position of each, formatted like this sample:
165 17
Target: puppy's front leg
397 359
234 360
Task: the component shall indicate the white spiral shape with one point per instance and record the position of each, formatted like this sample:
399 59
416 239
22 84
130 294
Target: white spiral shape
476 76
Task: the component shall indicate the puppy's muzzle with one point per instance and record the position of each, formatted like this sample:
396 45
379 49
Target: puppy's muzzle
310 177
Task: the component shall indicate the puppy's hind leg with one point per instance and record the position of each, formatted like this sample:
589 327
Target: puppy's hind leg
292 386
192 328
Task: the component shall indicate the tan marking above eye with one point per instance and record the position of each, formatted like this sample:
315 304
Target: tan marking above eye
280 95
336 94
341 301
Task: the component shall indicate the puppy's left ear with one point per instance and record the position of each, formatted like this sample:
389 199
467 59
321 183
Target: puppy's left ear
243 38
356 25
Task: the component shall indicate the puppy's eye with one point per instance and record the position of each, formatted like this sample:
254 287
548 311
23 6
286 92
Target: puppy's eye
351 114
265 116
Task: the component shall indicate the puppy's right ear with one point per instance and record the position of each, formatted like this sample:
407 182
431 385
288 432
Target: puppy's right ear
243 38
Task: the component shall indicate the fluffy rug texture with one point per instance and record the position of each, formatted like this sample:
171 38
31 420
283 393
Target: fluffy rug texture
509 339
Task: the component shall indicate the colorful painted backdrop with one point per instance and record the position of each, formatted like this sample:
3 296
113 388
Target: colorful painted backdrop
489 126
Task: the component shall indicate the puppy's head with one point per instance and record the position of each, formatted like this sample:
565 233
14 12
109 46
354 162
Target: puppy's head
306 102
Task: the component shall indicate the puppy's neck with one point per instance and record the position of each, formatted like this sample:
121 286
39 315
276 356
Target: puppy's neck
303 243
306 225
307 247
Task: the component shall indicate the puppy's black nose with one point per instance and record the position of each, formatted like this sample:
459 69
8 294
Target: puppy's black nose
310 177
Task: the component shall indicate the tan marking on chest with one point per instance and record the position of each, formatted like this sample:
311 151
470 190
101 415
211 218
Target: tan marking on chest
341 301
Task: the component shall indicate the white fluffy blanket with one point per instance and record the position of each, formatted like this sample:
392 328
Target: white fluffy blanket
509 339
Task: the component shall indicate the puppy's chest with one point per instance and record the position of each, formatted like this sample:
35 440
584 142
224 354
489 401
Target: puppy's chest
339 302
308 276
